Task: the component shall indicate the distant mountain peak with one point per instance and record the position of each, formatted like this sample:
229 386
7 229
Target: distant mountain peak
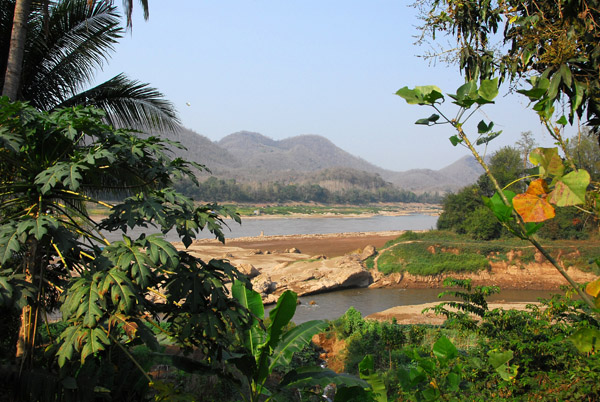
250 156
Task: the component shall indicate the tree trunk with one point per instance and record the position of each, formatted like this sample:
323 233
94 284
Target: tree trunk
26 339
14 63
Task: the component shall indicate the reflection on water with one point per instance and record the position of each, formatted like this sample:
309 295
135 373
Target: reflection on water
368 301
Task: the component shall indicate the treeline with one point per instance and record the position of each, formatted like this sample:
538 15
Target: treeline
214 189
465 212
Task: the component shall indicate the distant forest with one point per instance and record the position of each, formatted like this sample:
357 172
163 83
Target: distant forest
214 189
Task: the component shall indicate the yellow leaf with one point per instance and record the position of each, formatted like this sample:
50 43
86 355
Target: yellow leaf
537 187
533 208
593 288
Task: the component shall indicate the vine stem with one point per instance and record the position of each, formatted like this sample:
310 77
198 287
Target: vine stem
584 296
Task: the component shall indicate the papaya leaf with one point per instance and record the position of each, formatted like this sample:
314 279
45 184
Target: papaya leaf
570 189
68 345
548 160
9 242
128 326
586 339
121 289
93 340
161 252
10 140
89 307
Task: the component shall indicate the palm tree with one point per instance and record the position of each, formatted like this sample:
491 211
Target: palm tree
66 43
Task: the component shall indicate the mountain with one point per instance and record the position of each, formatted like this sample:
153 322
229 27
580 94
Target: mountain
252 157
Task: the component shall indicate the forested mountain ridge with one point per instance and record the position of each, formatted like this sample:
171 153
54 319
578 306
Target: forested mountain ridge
252 157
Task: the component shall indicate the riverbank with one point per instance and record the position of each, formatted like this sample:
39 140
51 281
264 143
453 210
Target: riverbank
310 264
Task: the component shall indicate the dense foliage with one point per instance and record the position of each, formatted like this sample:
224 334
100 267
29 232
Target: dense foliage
54 255
213 189
507 354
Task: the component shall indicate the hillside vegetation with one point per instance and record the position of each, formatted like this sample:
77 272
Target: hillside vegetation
252 158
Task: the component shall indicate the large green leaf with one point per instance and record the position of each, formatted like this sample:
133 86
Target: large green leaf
9 242
294 340
9 140
129 257
312 376
570 189
444 350
251 300
502 211
499 361
93 341
66 173
421 95
121 290
548 160
279 316
89 307
586 340
162 252
488 89
367 372
68 345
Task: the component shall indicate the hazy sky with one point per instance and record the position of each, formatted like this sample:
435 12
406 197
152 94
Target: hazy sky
286 68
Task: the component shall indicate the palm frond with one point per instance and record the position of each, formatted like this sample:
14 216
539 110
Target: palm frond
129 103
128 7
65 51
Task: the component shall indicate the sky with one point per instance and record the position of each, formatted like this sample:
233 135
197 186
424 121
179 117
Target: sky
287 68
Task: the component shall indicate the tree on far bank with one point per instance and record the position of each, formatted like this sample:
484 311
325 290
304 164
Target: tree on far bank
465 212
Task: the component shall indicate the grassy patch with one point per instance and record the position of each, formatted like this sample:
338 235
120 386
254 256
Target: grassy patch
417 259
434 252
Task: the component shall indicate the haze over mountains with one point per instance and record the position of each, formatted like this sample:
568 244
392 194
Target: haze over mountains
252 157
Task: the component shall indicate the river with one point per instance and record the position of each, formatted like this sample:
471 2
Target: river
332 305
252 227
